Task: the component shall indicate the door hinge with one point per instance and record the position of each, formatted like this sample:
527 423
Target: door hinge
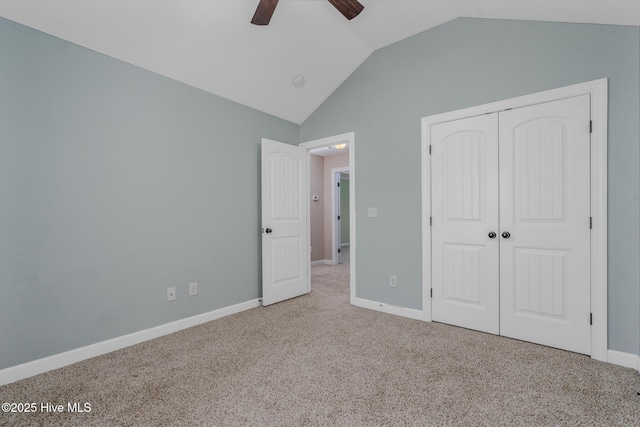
339 250
591 318
429 149
590 126
338 217
590 222
431 292
338 184
430 221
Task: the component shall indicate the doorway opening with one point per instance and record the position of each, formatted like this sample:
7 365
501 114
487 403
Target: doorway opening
332 219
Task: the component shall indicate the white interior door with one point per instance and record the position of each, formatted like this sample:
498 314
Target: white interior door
545 208
465 247
285 249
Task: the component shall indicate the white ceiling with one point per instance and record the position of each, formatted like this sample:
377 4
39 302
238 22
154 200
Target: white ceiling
211 44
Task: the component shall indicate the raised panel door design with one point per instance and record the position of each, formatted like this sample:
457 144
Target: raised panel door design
463 160
464 274
539 159
540 282
285 248
285 197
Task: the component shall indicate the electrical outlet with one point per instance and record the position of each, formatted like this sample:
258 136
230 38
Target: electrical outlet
393 281
171 294
193 289
372 212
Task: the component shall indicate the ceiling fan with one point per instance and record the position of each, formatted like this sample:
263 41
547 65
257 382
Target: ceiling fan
349 8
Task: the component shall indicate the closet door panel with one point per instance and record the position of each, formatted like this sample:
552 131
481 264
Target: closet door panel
464 211
545 208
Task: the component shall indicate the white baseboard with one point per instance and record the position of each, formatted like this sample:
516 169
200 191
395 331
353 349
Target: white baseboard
322 262
614 357
29 369
624 359
410 313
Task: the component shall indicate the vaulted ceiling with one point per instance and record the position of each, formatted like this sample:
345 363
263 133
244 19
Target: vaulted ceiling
211 44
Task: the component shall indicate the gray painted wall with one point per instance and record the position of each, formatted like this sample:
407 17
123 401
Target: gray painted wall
316 209
116 183
469 62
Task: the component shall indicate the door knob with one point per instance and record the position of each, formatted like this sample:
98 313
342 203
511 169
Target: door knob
492 235
268 230
506 234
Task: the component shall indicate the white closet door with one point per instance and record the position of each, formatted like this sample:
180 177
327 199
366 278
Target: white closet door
465 280
545 208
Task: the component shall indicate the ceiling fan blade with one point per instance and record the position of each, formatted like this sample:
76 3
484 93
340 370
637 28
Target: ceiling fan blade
264 11
349 8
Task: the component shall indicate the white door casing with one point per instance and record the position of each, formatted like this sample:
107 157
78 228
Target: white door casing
285 245
464 193
545 209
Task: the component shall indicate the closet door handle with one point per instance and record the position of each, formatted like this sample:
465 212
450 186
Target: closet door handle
492 235
506 235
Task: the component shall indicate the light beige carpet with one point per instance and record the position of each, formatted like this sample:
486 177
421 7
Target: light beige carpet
317 361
